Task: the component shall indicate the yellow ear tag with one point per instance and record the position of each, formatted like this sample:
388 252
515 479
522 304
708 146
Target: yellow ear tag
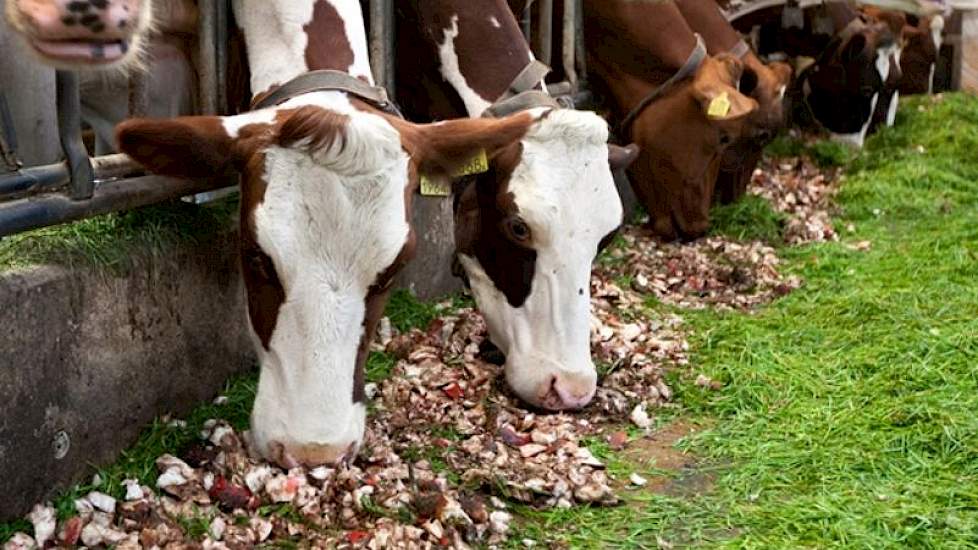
433 186
719 106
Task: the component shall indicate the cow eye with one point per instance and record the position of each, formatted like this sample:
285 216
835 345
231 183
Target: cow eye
518 230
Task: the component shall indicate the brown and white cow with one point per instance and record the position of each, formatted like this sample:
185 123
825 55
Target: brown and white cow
765 83
684 105
326 186
527 230
923 38
852 54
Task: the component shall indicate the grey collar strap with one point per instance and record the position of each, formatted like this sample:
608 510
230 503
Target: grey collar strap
740 49
329 80
693 63
521 95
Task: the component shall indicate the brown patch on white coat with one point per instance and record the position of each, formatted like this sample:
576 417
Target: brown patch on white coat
326 183
524 242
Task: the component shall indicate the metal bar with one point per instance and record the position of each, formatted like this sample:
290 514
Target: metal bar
138 93
70 134
526 21
389 46
580 53
125 194
50 177
206 47
221 34
8 138
378 42
546 27
569 42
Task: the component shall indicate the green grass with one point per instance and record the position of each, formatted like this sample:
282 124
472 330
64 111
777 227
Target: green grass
750 218
114 241
848 417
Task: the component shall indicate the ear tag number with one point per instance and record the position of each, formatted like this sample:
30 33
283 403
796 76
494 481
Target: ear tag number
435 186
719 106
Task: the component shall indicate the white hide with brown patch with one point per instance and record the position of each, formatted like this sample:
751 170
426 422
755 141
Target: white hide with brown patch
565 192
331 221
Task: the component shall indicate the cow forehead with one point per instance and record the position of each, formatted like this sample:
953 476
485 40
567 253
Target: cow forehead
563 185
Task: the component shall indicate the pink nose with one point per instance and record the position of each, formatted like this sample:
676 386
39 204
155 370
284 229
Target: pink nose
80 19
568 391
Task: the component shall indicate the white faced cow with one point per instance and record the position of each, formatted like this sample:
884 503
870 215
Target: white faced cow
526 231
326 180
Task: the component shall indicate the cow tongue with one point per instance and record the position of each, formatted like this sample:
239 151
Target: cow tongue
92 52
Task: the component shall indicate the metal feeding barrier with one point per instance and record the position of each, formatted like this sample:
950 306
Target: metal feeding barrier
82 186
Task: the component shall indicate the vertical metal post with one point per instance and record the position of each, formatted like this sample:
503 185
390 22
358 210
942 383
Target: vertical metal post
138 93
8 138
569 43
545 26
70 135
207 84
221 34
526 21
580 53
382 43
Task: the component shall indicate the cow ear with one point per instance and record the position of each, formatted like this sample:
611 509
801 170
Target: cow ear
183 147
622 157
715 88
445 148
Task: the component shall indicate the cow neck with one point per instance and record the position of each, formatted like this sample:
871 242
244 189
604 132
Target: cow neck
704 17
690 67
286 38
482 53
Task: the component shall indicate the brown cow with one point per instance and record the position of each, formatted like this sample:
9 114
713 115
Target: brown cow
521 235
681 106
923 36
327 176
765 83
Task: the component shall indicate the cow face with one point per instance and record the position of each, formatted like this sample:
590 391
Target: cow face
526 234
73 34
766 84
682 136
325 199
923 38
844 86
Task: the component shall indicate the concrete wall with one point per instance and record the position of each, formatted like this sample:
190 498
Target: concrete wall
87 360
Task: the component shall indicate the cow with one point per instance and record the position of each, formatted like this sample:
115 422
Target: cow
765 83
680 105
107 40
886 107
923 39
840 90
528 229
327 171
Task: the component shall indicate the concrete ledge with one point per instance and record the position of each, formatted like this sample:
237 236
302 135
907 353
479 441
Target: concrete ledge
88 359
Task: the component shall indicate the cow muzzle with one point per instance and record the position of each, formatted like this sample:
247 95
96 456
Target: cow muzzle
86 32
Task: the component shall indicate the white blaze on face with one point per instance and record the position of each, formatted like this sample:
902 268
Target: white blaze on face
565 192
331 221
452 73
278 25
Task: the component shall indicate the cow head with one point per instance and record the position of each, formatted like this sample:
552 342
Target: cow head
843 87
73 34
923 37
682 136
526 233
325 199
766 84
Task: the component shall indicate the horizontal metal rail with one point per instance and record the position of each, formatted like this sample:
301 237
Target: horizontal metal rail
110 196
54 177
